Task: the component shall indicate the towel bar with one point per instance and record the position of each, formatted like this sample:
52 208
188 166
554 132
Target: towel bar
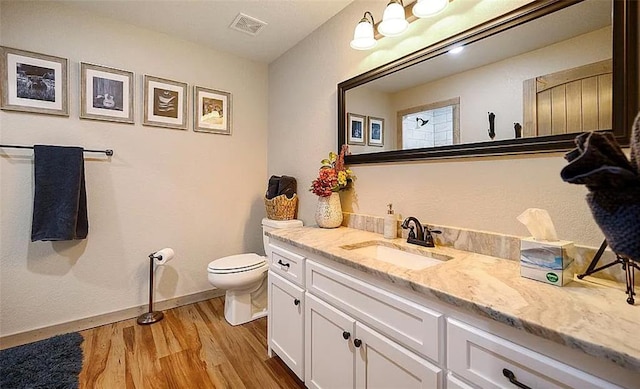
108 152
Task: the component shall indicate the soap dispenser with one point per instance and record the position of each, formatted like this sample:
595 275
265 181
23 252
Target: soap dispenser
390 224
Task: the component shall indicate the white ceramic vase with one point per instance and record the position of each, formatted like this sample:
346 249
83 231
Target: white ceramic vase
329 211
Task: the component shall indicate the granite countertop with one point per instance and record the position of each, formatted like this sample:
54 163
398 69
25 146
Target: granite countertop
590 317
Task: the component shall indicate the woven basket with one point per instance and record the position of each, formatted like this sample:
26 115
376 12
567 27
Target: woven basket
281 208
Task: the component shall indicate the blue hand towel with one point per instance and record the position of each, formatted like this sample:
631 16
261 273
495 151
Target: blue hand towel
614 186
60 201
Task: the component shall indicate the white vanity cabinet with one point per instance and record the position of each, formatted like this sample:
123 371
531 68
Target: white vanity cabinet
338 327
285 324
344 353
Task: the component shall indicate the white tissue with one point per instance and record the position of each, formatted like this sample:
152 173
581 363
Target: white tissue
539 224
163 256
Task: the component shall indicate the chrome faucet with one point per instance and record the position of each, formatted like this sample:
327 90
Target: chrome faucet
422 235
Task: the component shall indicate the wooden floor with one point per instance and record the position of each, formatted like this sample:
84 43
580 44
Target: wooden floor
192 347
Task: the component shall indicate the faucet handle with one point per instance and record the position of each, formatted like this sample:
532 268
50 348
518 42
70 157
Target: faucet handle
429 230
412 233
428 238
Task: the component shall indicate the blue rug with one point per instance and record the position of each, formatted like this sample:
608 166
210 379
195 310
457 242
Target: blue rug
50 363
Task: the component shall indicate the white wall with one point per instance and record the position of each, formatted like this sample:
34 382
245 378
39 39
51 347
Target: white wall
480 193
198 193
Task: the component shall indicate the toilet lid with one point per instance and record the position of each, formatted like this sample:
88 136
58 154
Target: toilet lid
236 263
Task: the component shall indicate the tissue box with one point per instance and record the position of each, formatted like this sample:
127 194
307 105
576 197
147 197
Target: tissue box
550 262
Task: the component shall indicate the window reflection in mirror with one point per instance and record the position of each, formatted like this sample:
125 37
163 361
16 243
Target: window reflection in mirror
431 125
551 75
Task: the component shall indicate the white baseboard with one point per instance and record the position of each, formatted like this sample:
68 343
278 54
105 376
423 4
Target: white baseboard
106 318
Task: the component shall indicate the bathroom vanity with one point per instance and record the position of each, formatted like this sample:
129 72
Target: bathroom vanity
342 317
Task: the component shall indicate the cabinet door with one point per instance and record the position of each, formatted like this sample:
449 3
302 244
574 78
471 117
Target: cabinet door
454 383
329 351
286 322
382 363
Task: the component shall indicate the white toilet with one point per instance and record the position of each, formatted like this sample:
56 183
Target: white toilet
244 277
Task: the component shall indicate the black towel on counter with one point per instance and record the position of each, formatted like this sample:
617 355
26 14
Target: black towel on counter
614 187
60 200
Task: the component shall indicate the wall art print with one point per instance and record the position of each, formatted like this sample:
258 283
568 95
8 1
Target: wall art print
106 93
375 129
356 129
165 103
33 82
211 111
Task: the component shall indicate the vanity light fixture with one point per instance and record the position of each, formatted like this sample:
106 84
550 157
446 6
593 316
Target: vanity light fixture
426 8
363 36
393 22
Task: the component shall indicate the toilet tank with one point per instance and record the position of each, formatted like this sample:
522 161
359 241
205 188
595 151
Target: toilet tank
270 225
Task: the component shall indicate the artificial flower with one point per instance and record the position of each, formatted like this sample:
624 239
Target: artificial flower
333 176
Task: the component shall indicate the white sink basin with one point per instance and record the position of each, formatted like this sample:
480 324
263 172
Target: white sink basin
397 255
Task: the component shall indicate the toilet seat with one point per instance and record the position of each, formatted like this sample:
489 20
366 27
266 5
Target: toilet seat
237 264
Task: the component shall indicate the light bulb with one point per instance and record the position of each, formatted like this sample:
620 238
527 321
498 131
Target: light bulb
393 22
363 37
425 8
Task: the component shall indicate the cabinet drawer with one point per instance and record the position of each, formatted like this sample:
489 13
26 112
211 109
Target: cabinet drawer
412 325
480 357
287 264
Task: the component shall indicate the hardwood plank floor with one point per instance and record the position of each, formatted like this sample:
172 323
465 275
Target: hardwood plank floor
192 347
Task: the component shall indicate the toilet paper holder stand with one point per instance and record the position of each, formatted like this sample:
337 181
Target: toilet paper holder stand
151 316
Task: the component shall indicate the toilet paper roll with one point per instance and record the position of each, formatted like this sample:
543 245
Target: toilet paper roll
163 256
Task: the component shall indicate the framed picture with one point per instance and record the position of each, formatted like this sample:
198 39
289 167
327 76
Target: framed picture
356 129
32 82
211 111
106 93
375 128
165 103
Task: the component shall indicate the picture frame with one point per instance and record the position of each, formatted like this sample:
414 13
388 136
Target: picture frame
375 131
106 93
33 82
356 129
212 111
165 103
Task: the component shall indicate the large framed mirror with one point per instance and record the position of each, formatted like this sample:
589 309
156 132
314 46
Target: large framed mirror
526 82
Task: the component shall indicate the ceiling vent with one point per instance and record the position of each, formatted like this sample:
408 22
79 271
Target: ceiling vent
248 24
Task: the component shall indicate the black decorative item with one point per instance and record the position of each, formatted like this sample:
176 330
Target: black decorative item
613 182
492 125
421 122
628 266
518 130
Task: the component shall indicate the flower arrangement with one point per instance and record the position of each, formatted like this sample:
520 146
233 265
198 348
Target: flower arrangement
333 176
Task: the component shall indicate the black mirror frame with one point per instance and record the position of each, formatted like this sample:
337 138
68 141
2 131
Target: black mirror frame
626 36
